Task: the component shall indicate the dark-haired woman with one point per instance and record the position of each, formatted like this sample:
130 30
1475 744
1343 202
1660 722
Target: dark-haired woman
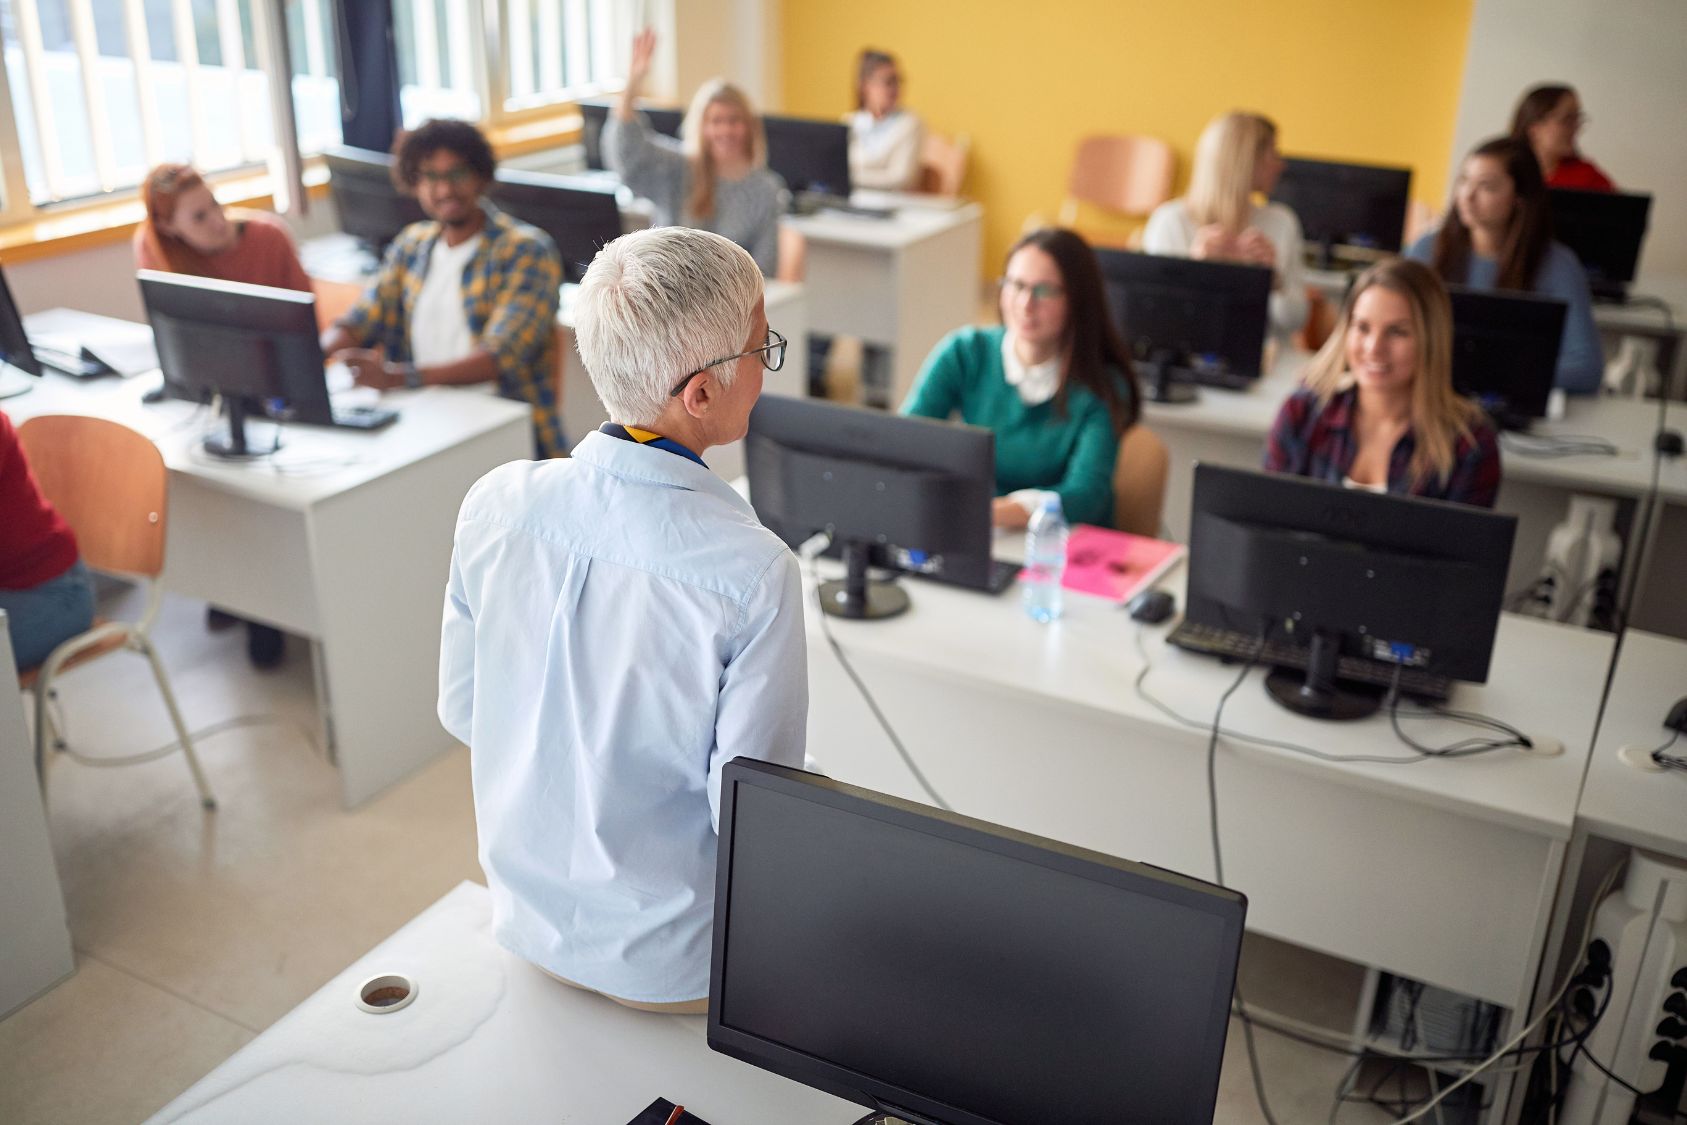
1498 235
1547 120
1053 381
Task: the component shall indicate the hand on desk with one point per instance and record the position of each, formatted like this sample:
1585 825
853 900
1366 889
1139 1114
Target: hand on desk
369 368
1213 243
1008 514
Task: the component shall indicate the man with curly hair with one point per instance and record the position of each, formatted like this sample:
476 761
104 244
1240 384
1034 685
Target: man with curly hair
467 296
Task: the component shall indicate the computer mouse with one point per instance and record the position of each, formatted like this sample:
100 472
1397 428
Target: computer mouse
1151 606
155 395
1677 718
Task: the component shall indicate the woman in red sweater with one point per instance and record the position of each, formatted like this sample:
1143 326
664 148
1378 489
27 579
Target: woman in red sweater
187 231
1547 120
44 588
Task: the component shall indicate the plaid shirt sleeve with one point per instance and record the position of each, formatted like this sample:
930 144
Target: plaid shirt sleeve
1475 478
1286 447
377 319
521 331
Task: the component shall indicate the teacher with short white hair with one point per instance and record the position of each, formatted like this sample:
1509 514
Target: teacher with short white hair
619 625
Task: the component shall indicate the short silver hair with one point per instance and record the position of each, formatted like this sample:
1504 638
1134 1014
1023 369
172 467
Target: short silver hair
657 304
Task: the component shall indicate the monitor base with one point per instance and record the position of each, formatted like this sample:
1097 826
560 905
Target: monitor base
1345 703
15 381
878 601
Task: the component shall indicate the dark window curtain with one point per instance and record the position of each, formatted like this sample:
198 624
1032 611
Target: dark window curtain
369 110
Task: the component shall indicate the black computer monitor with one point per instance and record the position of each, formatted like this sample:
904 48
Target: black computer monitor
371 208
1505 352
580 216
1341 572
14 341
947 970
248 343
908 492
595 112
1605 229
1188 321
1357 206
811 156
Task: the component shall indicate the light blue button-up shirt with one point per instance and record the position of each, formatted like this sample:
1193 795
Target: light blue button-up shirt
618 626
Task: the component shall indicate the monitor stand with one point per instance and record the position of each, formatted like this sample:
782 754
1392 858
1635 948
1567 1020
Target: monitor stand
858 597
1160 381
231 444
1316 693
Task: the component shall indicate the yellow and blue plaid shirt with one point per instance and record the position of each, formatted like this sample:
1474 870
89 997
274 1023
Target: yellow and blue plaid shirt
511 288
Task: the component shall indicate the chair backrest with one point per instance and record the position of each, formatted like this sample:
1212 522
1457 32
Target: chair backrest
1139 482
943 164
793 254
1131 175
110 485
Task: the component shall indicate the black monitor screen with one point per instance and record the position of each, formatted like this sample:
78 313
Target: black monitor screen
1212 314
371 208
1361 205
809 155
909 959
1505 351
1605 229
14 342
579 216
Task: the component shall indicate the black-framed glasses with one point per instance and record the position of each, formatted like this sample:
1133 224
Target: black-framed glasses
1040 291
772 357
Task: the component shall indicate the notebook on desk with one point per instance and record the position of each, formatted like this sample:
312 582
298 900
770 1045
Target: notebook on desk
1115 564
661 1112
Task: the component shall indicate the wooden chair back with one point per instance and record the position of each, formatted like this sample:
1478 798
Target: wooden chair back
110 485
793 255
1129 175
943 164
1139 482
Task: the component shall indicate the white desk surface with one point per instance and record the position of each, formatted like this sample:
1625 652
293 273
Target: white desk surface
488 1038
909 224
1546 680
1625 423
1620 802
315 462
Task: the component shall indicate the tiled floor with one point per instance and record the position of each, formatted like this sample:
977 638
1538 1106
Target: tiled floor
196 931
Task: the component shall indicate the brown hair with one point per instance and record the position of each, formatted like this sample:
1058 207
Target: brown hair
1536 105
700 200
870 61
160 191
1527 234
1440 415
1096 356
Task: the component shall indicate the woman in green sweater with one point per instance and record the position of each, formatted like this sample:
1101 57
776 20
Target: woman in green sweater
1054 382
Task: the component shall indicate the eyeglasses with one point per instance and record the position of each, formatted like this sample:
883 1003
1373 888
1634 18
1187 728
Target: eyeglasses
1041 291
772 357
456 177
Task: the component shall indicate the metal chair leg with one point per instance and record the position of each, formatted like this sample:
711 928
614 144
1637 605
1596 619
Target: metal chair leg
158 674
41 724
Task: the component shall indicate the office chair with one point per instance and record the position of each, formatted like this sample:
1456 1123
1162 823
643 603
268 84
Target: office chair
110 485
1139 482
1126 176
943 164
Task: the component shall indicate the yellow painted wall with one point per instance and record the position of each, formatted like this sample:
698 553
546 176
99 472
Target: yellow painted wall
1366 80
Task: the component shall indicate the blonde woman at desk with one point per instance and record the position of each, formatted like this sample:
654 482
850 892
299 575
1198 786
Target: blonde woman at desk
1377 409
1218 220
1498 235
715 177
1054 382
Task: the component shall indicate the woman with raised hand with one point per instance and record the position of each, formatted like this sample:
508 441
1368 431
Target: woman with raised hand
715 177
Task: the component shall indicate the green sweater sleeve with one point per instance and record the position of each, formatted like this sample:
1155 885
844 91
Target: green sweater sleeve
937 390
1086 488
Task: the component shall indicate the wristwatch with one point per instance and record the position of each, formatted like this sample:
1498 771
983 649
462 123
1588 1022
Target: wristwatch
412 375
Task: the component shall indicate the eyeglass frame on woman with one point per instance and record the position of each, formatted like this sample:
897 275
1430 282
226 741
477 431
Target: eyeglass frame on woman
767 361
1014 287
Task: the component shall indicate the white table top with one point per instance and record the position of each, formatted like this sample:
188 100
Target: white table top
1642 807
1627 424
488 1038
1546 679
314 463
908 225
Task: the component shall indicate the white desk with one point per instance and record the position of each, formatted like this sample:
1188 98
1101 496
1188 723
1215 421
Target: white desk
488 1038
787 311
1230 428
345 538
1441 870
1640 808
901 283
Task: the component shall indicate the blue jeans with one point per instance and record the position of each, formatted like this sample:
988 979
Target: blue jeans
43 617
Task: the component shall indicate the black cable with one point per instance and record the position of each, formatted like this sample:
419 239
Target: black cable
1463 749
1669 761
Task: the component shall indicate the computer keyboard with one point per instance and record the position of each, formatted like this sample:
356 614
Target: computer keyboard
1234 645
364 417
812 202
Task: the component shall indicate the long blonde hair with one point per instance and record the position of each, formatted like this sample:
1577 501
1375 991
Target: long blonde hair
1221 184
1440 415
700 200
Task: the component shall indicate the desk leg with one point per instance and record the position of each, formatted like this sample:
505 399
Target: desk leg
379 557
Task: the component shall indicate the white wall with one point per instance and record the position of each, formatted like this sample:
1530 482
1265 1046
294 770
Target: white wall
1628 60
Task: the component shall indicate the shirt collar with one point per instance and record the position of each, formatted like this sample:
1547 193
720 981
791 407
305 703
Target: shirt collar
1036 384
650 438
632 461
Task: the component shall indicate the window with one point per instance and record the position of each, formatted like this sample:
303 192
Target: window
556 50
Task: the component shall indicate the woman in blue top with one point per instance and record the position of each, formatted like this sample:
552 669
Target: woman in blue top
1498 235
1054 382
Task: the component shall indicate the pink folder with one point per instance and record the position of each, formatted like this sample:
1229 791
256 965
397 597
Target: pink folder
1114 564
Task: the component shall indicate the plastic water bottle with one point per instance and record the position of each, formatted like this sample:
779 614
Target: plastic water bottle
1045 561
